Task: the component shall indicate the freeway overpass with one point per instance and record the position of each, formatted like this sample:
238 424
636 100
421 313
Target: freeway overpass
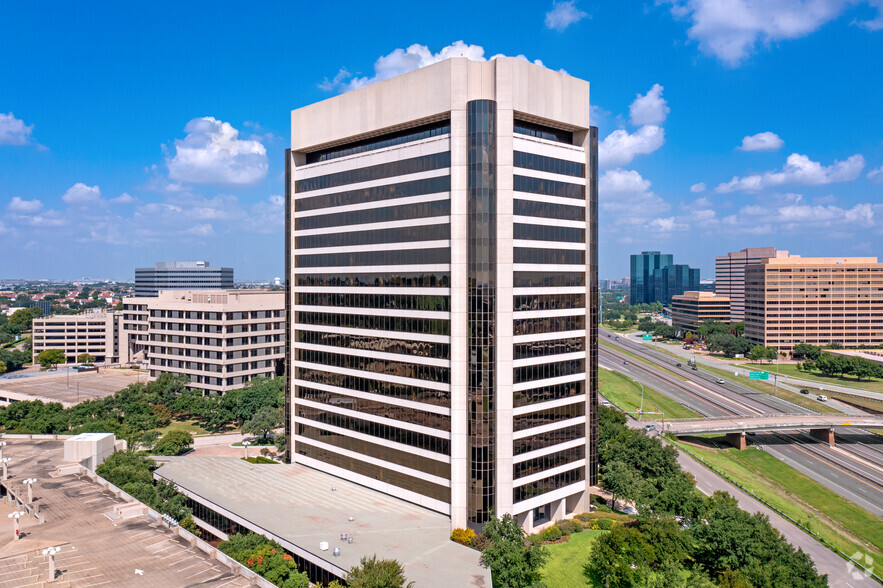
735 427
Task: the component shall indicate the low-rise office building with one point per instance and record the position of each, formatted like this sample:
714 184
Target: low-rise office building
691 309
814 300
94 333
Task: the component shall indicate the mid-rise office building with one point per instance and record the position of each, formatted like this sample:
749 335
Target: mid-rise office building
181 275
691 309
220 339
94 333
816 300
656 278
729 275
442 275
674 280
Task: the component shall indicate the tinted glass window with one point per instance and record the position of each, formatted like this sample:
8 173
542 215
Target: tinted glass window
548 187
549 233
399 235
405 392
550 256
397 279
530 129
435 129
360 258
551 165
376 193
375 215
547 210
376 172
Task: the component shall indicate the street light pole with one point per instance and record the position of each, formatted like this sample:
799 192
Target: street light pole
2 445
246 444
51 551
30 483
15 515
5 461
642 398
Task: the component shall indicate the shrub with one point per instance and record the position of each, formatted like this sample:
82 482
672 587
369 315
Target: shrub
553 533
605 524
568 527
463 536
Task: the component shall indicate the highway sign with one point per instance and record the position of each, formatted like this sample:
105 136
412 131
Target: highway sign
759 376
646 337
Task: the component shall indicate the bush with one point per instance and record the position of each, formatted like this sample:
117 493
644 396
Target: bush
265 557
605 524
463 536
553 533
173 443
569 527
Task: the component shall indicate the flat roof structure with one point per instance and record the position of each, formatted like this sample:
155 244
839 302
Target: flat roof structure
296 506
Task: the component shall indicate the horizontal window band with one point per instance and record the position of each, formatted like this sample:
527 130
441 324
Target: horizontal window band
375 172
402 237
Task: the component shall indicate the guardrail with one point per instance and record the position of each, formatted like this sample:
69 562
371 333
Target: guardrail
868 572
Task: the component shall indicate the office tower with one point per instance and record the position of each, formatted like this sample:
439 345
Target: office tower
691 309
729 275
673 280
219 339
91 332
643 275
816 300
442 278
181 275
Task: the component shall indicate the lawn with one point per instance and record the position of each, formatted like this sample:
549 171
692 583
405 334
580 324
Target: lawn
839 521
187 426
626 394
790 369
803 400
565 566
632 329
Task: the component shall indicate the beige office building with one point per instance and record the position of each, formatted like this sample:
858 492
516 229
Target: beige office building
691 309
814 300
94 333
442 265
220 339
729 275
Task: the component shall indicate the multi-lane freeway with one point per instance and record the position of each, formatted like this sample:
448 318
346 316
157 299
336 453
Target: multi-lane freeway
853 469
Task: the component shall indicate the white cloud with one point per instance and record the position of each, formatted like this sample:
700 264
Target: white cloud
213 153
697 188
80 193
563 14
19 206
620 147
875 24
626 196
876 174
731 29
14 131
649 109
765 141
124 198
798 169
804 219
203 230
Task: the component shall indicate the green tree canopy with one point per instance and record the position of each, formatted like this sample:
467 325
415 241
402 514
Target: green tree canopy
50 357
377 573
86 358
513 562
265 420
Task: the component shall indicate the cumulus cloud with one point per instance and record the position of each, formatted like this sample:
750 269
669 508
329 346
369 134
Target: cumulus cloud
124 198
14 131
20 206
801 218
620 147
876 174
80 193
731 30
798 169
626 196
649 109
766 141
213 153
697 188
563 14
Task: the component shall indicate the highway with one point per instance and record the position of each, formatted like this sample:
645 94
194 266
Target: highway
853 469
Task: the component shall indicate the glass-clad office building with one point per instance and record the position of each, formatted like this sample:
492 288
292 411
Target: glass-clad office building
441 247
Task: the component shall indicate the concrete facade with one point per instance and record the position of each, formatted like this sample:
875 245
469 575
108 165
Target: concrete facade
181 275
729 275
94 333
421 211
815 300
691 309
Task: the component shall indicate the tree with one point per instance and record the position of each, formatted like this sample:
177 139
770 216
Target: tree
805 350
173 443
620 559
770 353
2 367
514 562
623 480
22 319
758 353
51 357
265 420
377 573
87 358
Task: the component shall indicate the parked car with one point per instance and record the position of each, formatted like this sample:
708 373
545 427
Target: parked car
822 398
804 391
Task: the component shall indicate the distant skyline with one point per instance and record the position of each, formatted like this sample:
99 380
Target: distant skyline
130 137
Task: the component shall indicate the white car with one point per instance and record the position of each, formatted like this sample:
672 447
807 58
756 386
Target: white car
721 381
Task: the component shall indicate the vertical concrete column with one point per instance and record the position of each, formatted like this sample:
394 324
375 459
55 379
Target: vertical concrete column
826 435
737 440
560 509
459 300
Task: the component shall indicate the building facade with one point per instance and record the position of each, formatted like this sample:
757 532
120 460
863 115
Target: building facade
674 280
691 309
442 276
94 333
814 300
181 275
642 286
729 275
220 339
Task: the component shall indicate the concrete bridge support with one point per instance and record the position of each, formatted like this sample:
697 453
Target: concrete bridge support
826 435
737 440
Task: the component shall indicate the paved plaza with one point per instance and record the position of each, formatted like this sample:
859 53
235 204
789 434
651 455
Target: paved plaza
97 548
67 386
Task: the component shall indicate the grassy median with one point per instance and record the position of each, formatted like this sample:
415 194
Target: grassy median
626 394
790 369
835 519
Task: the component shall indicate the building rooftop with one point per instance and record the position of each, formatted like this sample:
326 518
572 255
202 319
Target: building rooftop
703 295
819 261
297 504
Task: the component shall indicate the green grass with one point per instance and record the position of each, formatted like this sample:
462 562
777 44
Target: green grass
564 569
259 459
632 329
268 442
837 520
626 394
790 369
186 426
761 386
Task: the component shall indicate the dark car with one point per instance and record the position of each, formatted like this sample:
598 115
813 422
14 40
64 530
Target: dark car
678 364
804 391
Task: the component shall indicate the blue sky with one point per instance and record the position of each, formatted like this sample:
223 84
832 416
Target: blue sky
131 134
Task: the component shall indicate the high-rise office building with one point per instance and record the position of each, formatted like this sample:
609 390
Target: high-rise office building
181 275
656 278
674 280
815 300
442 275
729 275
